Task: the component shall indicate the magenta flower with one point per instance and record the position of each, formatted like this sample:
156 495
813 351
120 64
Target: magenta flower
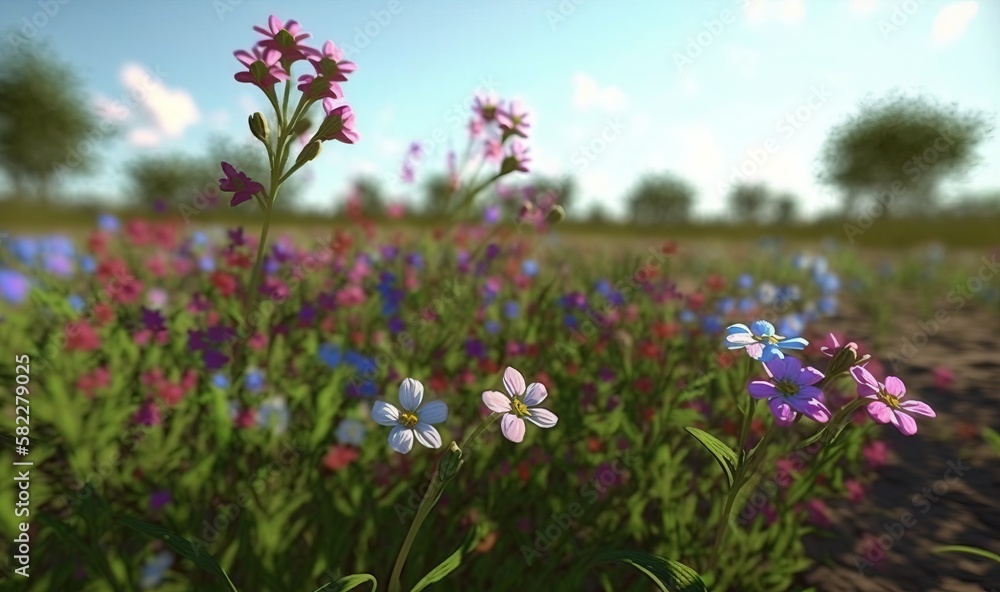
339 123
517 160
886 406
486 106
330 62
513 122
316 88
790 391
519 405
238 183
263 68
285 39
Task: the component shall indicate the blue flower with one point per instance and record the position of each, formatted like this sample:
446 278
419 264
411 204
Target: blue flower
58 245
199 238
415 260
746 305
711 324
529 268
828 305
87 264
767 293
14 286
220 380
511 309
155 569
58 264
76 302
829 283
726 306
792 325
273 413
745 281
108 223
206 263
760 341
351 431
25 249
492 327
254 380
330 355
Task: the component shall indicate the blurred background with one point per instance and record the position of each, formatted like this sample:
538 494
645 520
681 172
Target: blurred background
816 116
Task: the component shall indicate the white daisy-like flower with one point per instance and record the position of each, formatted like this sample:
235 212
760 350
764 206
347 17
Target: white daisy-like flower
413 420
518 405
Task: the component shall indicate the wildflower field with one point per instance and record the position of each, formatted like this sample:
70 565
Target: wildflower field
488 400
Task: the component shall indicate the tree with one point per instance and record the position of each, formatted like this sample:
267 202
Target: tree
748 202
661 199
439 195
366 196
168 177
46 130
785 209
900 149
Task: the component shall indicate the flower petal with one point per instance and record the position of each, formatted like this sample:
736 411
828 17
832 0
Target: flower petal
879 412
762 328
496 401
793 367
895 386
918 407
796 343
783 414
863 377
542 418
769 353
762 389
513 382
809 376
535 394
776 366
401 439
385 414
755 351
740 339
427 435
904 423
433 412
811 407
411 394
512 427
737 328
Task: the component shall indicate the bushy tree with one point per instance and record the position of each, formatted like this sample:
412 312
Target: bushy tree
748 202
47 131
899 149
661 199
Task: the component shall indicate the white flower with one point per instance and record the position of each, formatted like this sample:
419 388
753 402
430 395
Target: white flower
155 568
273 413
351 431
412 420
519 405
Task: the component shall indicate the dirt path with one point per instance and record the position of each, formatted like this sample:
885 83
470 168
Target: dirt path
953 510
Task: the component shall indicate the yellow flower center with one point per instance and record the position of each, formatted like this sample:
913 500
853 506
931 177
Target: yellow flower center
890 400
408 419
520 409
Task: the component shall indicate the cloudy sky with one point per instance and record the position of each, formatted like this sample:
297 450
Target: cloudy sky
615 89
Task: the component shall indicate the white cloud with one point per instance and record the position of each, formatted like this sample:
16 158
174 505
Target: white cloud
862 7
951 22
789 12
144 137
587 94
110 109
171 110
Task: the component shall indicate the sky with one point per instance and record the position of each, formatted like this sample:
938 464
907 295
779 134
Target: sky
713 91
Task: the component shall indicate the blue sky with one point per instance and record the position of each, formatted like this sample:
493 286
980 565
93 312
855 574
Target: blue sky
615 89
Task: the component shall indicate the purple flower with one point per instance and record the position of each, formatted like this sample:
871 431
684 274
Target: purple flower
239 184
153 320
158 499
790 391
886 406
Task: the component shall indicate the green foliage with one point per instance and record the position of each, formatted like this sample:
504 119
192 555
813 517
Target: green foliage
661 199
46 130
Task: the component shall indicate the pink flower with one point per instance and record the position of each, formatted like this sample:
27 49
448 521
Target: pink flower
886 406
263 68
818 513
340 457
339 123
330 62
285 38
486 106
493 151
876 454
513 122
855 490
237 182
519 405
943 378
80 336
516 160
316 88
396 210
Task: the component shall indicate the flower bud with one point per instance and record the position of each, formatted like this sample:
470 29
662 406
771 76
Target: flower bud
308 153
301 126
450 462
843 359
556 215
258 127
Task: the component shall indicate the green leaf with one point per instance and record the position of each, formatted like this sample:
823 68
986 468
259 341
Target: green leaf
722 453
451 563
968 550
93 558
182 546
349 583
993 438
667 574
